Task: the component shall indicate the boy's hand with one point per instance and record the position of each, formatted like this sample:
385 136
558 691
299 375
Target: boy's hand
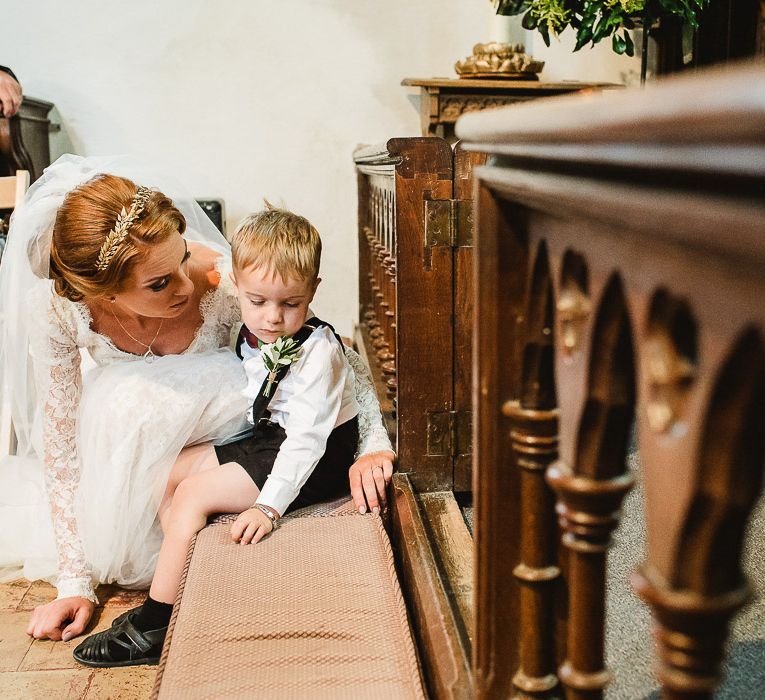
251 526
369 476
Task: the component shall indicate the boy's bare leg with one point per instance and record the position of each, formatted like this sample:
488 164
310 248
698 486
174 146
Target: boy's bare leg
191 460
226 489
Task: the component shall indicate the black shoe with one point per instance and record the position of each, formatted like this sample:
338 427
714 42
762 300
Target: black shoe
120 618
122 645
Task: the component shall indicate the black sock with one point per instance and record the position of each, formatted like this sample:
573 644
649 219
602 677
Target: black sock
153 615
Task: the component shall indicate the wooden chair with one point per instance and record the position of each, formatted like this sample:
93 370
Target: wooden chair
12 191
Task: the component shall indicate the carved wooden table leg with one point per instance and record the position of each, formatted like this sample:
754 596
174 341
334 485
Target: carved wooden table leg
589 512
535 441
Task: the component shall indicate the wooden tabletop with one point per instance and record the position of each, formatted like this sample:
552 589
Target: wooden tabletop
492 83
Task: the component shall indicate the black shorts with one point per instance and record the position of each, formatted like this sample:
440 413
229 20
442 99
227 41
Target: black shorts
257 453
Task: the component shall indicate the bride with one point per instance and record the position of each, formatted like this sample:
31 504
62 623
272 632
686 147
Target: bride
128 337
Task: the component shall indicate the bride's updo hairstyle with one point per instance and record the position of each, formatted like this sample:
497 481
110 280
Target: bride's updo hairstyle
86 217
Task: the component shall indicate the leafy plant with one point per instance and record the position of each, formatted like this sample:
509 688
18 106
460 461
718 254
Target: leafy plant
595 20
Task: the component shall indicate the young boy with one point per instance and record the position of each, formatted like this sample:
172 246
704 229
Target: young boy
303 416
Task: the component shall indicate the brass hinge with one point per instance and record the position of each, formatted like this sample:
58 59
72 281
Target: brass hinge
450 433
449 222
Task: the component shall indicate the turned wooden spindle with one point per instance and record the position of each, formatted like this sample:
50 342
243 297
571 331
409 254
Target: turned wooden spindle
534 439
363 270
392 389
691 634
588 511
377 286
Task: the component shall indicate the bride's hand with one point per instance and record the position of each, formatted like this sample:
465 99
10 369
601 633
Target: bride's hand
50 621
369 476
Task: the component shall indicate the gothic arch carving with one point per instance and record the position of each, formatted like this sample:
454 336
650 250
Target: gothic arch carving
537 368
669 361
731 461
574 304
604 429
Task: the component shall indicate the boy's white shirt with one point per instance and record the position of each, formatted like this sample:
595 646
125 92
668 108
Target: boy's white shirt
315 396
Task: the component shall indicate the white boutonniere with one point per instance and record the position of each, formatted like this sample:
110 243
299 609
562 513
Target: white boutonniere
282 352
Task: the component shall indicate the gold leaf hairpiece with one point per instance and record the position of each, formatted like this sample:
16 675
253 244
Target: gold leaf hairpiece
125 219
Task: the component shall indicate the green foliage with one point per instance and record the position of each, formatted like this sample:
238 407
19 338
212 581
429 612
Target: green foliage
595 20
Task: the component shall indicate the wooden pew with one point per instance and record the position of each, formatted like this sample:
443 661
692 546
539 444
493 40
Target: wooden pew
415 264
619 285
415 295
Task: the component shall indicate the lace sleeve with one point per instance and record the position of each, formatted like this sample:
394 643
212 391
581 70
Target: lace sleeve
57 370
229 313
373 437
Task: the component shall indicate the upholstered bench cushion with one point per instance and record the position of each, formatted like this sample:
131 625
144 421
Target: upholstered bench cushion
315 611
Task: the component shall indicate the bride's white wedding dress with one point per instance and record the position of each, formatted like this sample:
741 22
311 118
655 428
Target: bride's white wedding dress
113 436
99 429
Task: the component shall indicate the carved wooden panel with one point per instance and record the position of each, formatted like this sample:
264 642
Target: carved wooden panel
416 308
618 285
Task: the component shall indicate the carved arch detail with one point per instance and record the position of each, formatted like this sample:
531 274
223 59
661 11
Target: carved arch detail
574 306
706 587
670 356
731 460
537 367
604 429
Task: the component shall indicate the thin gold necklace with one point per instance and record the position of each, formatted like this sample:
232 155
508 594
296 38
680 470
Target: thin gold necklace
149 355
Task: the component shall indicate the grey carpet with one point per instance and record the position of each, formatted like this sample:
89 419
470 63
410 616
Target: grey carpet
467 513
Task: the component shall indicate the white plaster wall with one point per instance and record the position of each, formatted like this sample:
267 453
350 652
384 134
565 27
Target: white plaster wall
245 99
595 64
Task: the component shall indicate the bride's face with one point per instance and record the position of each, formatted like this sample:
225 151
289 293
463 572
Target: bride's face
159 285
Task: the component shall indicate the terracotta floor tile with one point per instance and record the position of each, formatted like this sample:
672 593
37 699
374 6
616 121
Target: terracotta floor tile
14 642
45 685
45 670
11 593
114 596
45 654
132 683
39 593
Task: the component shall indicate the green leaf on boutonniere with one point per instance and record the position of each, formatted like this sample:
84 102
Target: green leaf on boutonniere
281 353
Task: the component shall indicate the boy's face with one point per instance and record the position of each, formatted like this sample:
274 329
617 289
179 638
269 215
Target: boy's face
271 306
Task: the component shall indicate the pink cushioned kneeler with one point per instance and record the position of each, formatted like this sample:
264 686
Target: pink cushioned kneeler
315 611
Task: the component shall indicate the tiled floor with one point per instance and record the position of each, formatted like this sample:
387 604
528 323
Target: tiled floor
44 670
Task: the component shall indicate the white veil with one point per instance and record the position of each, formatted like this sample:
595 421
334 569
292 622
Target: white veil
25 265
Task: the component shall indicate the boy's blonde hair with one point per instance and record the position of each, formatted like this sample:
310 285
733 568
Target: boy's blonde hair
274 237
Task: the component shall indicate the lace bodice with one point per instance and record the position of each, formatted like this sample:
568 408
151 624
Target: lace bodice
65 330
